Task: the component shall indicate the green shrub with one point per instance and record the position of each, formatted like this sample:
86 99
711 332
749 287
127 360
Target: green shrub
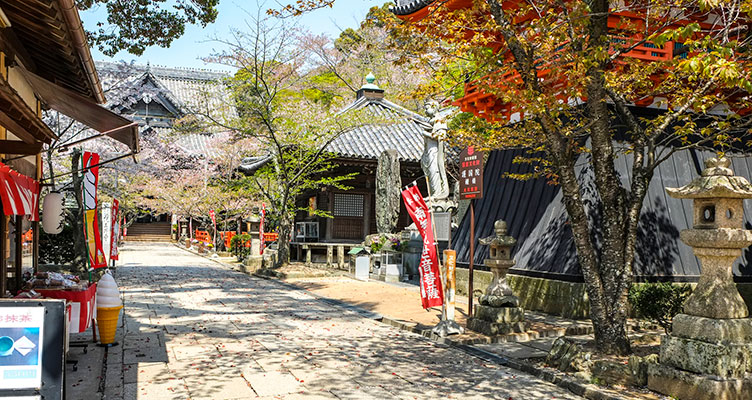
658 302
57 249
237 246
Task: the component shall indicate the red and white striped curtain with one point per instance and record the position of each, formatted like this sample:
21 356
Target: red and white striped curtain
19 193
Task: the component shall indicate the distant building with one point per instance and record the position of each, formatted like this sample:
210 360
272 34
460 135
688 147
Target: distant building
157 97
358 150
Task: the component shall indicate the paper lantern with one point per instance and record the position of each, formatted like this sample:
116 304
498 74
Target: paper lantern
53 213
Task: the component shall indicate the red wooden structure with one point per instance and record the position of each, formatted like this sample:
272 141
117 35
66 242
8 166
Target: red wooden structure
477 98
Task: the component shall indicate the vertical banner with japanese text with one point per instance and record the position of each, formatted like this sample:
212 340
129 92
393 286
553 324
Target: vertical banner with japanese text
91 221
115 233
431 292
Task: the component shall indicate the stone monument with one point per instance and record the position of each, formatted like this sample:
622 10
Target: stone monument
499 311
388 184
708 354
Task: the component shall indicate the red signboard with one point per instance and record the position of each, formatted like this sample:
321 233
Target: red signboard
431 292
471 174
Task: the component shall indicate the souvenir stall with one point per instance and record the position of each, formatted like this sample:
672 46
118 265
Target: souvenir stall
45 65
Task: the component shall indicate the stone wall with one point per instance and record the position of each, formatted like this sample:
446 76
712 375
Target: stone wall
567 299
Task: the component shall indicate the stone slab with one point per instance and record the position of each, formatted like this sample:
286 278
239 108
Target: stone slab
727 360
146 354
493 329
173 389
272 383
514 350
219 387
684 385
499 315
712 330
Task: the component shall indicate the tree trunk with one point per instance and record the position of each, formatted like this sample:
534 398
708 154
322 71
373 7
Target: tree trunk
283 242
79 242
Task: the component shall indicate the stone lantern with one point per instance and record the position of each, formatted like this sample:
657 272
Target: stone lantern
499 311
708 354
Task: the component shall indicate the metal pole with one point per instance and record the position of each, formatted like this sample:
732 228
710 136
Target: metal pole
472 261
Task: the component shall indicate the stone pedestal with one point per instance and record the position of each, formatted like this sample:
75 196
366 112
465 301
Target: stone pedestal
708 354
499 312
493 321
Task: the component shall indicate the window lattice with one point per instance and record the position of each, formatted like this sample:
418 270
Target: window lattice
348 205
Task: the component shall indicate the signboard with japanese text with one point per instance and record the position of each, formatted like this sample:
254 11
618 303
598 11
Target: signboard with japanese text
32 348
471 174
21 331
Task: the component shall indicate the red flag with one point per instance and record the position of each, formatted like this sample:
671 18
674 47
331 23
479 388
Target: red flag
91 201
261 228
431 292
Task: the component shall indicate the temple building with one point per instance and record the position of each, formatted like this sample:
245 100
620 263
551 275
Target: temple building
158 97
357 150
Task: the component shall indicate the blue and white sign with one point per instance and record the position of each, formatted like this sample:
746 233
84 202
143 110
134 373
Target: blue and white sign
21 331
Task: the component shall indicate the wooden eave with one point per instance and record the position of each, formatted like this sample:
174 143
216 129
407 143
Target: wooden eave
47 37
22 121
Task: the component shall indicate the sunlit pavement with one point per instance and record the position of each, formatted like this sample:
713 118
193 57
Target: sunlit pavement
195 329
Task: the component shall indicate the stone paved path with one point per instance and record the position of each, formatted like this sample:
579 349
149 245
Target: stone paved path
194 329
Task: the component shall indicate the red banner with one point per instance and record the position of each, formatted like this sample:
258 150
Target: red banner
115 231
431 292
19 193
261 228
91 220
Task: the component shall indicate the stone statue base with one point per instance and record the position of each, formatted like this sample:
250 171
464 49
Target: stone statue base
705 358
447 327
493 321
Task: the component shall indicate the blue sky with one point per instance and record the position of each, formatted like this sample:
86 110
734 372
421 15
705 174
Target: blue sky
186 51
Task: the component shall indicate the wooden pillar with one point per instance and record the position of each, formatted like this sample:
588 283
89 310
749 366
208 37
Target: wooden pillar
330 221
3 253
18 270
366 214
35 225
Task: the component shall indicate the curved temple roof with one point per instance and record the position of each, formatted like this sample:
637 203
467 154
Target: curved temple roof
406 7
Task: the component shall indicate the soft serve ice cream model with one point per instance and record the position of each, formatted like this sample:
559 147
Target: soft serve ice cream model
108 308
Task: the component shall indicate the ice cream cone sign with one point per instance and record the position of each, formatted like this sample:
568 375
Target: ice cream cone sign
108 308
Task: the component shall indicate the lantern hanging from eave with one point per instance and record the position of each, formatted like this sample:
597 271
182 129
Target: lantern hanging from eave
53 213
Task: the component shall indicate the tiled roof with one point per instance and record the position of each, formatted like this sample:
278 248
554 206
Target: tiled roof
187 86
198 143
402 130
189 90
405 7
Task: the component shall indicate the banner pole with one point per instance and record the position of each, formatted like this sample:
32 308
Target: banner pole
472 261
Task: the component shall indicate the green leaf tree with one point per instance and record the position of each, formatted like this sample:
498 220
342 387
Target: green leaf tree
290 124
135 25
561 78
